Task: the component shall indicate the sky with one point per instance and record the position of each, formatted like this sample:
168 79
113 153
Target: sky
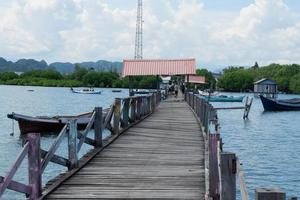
216 32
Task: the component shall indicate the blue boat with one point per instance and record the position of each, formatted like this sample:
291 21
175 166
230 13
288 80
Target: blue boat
280 105
86 91
224 98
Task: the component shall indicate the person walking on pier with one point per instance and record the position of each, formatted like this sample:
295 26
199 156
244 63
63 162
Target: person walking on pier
176 87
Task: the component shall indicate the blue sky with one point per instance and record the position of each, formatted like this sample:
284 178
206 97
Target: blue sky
216 32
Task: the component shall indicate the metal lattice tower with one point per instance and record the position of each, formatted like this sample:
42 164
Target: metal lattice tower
138 54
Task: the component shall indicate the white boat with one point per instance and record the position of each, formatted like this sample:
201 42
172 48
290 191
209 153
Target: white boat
206 94
86 91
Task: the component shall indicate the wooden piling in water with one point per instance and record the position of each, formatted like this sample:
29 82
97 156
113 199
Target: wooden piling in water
269 194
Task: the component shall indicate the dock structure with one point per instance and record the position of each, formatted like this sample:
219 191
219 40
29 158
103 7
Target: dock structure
162 157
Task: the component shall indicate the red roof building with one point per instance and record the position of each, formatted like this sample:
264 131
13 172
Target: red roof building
162 67
195 79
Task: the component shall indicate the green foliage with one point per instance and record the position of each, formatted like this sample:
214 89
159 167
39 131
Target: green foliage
209 78
47 74
241 79
80 77
295 84
79 73
238 80
5 76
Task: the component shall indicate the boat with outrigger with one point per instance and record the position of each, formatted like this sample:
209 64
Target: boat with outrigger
216 97
86 91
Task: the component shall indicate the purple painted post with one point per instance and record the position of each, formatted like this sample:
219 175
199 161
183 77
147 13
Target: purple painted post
34 165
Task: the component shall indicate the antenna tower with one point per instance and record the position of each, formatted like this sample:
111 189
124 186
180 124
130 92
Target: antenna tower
138 54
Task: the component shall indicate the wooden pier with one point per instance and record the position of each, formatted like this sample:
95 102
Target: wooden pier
162 157
157 150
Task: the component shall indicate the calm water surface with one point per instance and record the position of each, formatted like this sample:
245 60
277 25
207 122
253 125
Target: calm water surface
42 102
267 144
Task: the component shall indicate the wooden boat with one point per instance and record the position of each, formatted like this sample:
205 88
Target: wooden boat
29 124
280 105
224 98
86 91
115 91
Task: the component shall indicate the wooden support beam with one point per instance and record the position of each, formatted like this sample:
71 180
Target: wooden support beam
56 159
133 110
228 176
117 116
18 187
269 194
98 127
72 144
53 148
8 178
34 166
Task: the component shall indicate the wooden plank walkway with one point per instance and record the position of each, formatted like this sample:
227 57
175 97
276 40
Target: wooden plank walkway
160 158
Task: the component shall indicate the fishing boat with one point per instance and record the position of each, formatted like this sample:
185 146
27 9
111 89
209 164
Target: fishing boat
224 98
29 124
280 105
86 91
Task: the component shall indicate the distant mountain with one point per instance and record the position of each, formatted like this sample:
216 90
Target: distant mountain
101 65
24 65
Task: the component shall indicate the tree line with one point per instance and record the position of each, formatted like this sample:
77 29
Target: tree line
81 77
240 79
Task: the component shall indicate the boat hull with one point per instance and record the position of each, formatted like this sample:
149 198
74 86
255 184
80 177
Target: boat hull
28 124
277 105
224 99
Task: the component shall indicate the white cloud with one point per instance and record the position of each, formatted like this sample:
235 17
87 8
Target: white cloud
76 30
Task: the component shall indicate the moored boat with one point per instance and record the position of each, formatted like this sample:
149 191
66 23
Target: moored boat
280 105
116 91
207 94
86 91
29 124
224 98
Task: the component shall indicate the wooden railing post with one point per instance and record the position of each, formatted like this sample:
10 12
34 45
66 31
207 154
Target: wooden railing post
34 165
139 108
98 127
72 144
214 180
148 104
125 112
228 176
133 109
117 116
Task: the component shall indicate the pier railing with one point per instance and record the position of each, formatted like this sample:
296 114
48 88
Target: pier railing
222 167
124 113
